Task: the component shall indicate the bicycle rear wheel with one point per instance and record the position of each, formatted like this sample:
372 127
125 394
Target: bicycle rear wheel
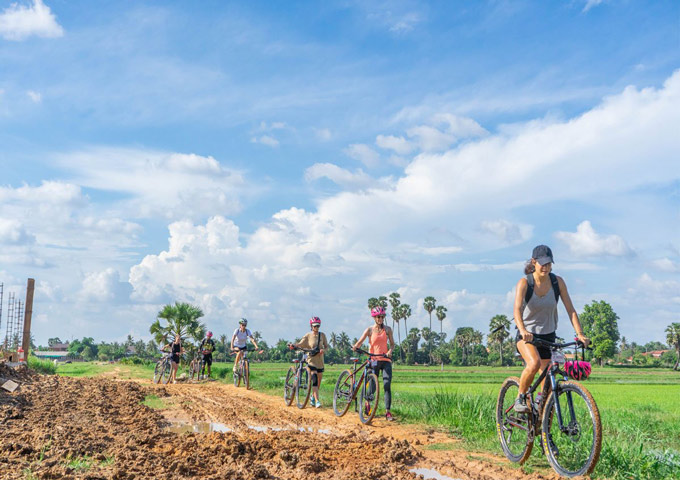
158 372
192 369
515 430
575 449
237 376
246 374
343 393
289 386
303 387
368 399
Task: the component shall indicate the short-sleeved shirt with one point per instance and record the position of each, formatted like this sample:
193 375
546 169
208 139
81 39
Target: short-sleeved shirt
208 344
309 342
241 337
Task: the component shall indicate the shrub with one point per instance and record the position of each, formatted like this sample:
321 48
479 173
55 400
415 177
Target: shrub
41 366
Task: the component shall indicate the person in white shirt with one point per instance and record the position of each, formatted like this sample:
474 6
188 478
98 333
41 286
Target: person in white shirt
239 340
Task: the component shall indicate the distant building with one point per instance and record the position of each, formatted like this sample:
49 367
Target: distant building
59 347
655 353
51 354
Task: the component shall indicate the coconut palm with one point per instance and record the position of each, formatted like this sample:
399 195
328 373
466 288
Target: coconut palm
498 331
673 340
182 320
441 315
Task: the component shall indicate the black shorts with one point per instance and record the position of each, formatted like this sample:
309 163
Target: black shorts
241 349
314 369
175 358
207 358
543 352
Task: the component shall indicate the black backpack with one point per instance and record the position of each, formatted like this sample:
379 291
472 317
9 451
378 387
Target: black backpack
530 287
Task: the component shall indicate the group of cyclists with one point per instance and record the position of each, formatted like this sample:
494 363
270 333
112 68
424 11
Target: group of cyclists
535 315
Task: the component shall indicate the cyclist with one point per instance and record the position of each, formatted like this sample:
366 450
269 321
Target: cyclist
207 348
239 340
176 349
316 341
378 335
537 317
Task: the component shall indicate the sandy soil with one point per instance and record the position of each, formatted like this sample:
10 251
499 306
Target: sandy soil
68 428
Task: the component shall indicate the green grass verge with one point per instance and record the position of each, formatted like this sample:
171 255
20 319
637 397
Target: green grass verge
41 366
152 401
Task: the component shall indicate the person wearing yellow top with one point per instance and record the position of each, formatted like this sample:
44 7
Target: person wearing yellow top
315 340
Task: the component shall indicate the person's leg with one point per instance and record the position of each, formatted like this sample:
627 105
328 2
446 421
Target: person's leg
387 385
236 360
532 362
319 375
208 362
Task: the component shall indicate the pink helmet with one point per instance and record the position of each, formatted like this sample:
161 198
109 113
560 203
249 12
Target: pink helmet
377 312
578 370
314 321
209 334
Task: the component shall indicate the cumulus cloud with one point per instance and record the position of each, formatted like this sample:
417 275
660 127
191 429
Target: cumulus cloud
323 134
13 232
265 140
104 286
666 265
346 179
399 145
364 154
165 184
586 242
507 232
18 22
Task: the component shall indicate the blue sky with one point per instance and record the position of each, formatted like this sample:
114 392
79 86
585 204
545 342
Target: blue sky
278 161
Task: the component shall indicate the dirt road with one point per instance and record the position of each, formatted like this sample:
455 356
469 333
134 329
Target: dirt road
68 428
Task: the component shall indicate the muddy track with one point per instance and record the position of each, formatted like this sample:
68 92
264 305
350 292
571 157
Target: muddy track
68 428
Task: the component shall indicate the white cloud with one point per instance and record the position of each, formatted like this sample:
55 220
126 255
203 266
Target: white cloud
663 292
399 145
13 232
586 242
666 265
169 185
364 154
460 127
18 22
36 97
591 4
346 179
430 139
507 232
265 140
323 134
104 286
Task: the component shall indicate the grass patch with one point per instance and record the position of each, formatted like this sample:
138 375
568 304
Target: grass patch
80 463
154 402
46 367
441 446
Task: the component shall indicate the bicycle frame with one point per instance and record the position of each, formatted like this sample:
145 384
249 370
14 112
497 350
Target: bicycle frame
364 374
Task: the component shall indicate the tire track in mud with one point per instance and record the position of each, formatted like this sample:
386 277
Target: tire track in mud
97 428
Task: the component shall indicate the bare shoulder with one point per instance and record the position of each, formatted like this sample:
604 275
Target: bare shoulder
522 284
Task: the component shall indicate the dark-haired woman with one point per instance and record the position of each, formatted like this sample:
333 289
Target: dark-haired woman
537 317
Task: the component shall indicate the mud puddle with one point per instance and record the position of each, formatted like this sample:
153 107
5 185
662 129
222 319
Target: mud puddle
181 426
430 474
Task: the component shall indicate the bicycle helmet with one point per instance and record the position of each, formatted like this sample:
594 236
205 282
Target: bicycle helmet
578 370
314 321
209 334
377 312
243 321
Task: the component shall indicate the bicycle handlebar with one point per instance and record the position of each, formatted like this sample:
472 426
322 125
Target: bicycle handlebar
545 343
364 352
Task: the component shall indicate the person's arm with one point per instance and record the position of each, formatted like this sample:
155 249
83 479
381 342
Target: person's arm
361 340
390 337
571 311
232 340
252 339
520 292
324 347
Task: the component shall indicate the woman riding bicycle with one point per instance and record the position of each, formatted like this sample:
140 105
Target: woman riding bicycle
176 349
239 340
536 317
378 335
316 341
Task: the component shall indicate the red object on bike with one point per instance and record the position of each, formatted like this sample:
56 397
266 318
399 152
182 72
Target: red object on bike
578 370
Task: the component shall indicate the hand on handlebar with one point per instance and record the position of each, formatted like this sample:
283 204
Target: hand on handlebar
527 336
583 339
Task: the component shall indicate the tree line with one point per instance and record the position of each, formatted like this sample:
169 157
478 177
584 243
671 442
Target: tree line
418 346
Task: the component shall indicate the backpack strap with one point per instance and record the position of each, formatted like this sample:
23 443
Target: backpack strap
530 287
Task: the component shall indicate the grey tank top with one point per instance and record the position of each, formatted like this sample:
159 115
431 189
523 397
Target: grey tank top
540 314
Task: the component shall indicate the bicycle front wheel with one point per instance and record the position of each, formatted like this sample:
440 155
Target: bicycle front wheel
237 376
303 388
368 400
158 372
246 374
515 430
573 449
192 370
343 393
165 372
289 386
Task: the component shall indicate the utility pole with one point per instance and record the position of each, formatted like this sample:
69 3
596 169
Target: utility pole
28 314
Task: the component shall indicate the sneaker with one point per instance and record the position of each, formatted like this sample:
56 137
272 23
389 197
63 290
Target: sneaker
521 405
317 404
389 417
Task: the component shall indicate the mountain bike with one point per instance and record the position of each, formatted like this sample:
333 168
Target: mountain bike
567 418
242 372
195 367
366 385
163 368
298 382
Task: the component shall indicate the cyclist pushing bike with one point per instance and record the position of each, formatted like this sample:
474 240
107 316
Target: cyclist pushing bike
535 314
207 348
378 336
239 340
316 341
176 349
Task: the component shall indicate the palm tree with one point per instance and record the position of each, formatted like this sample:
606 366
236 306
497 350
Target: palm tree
498 332
429 304
182 320
441 315
395 302
334 340
372 302
223 341
673 340
382 301
405 313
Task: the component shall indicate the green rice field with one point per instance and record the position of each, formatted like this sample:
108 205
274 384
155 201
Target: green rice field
640 408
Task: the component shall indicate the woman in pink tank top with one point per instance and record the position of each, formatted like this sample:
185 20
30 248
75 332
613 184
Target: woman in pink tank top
378 336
